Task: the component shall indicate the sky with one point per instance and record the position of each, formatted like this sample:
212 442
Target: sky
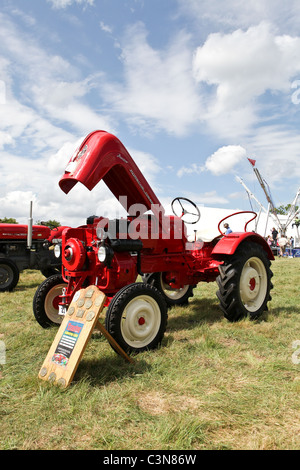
192 88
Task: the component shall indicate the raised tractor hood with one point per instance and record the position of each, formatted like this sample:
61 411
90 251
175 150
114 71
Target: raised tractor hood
101 156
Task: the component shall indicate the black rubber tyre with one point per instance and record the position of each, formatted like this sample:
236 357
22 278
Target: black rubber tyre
47 272
9 275
45 301
245 283
137 318
172 296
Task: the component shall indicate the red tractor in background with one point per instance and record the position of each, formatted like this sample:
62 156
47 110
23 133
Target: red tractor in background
27 247
112 253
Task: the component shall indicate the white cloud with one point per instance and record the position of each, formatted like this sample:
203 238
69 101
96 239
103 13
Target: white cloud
43 96
66 3
240 67
33 138
220 162
51 92
192 169
245 64
276 150
25 179
5 139
106 28
27 19
220 87
18 121
2 92
159 90
13 201
225 159
234 13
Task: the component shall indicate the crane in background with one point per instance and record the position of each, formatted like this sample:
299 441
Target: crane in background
271 210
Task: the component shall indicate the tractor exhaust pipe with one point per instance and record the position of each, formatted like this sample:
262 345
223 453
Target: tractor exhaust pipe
29 231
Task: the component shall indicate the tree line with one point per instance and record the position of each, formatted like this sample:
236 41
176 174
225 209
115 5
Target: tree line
48 223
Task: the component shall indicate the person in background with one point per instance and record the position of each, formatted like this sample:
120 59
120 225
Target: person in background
228 229
282 242
269 240
274 236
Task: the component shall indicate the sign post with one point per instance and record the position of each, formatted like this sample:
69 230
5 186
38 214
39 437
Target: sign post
73 335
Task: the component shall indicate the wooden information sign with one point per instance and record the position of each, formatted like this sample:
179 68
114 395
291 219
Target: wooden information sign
73 335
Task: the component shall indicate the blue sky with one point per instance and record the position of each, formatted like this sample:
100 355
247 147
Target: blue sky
191 88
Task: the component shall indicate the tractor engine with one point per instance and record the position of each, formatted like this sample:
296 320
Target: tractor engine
90 257
112 253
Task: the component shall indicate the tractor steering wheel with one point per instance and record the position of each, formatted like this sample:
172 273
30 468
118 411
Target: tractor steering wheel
181 211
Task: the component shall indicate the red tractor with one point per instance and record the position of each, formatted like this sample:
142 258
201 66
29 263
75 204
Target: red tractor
27 247
112 253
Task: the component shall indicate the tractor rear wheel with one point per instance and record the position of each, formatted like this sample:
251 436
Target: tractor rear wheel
45 301
172 296
9 275
245 283
137 318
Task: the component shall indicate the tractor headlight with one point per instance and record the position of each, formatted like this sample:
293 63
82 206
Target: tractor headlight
102 254
57 251
105 255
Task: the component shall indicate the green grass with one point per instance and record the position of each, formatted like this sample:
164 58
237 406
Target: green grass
212 384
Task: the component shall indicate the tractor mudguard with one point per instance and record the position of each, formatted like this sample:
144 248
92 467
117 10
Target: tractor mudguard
229 243
101 156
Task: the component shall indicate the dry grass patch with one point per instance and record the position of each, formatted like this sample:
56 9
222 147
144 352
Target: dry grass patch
157 403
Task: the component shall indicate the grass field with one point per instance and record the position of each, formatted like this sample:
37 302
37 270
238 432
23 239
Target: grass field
212 384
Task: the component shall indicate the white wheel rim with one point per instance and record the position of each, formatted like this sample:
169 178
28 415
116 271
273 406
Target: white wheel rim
51 301
253 284
141 321
173 294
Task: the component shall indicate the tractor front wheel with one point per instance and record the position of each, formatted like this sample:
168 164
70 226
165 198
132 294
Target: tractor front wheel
47 272
245 283
46 299
137 318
